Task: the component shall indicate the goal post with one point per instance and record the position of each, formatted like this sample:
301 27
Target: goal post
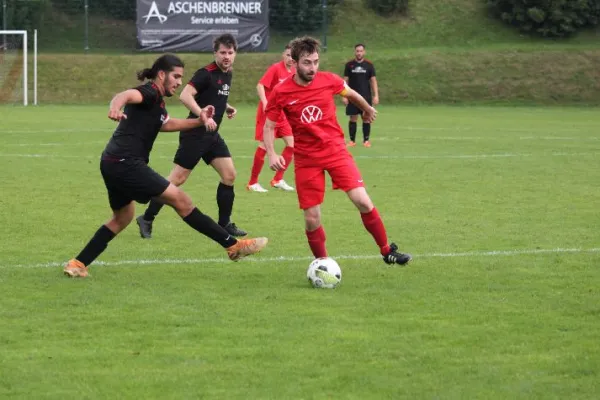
14 66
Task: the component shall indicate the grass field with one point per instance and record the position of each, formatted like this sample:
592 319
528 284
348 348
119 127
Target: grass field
499 207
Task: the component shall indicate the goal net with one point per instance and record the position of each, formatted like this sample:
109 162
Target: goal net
13 67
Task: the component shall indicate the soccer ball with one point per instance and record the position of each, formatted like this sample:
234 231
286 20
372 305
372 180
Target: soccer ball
324 273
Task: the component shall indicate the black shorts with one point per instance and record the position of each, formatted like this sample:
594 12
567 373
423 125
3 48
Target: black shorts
207 147
130 180
351 109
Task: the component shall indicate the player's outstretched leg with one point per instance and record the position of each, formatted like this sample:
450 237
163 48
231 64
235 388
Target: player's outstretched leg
374 225
236 249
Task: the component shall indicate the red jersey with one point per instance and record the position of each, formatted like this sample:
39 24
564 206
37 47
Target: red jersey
311 112
274 75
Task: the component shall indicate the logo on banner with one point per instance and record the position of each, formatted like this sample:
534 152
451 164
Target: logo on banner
154 13
255 40
311 114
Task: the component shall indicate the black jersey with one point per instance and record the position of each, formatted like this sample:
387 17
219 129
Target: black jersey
213 86
359 76
134 136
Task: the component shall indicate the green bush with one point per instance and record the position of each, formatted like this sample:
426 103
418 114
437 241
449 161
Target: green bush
549 18
119 9
22 15
299 16
388 7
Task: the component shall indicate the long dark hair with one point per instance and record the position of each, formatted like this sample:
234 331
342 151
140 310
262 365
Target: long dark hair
165 63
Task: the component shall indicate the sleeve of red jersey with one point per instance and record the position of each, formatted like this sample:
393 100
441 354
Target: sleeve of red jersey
200 80
273 110
268 78
337 83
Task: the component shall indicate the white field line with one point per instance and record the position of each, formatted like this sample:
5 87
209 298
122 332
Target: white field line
250 129
177 261
377 139
395 157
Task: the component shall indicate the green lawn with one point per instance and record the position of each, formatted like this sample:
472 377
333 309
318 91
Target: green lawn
499 207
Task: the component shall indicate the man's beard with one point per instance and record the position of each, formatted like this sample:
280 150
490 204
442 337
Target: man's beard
306 77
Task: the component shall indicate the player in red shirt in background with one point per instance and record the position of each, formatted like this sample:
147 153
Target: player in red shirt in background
276 74
307 101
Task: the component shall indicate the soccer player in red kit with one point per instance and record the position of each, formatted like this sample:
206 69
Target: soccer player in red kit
307 101
276 74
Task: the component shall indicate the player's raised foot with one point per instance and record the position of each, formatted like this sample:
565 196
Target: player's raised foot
233 230
246 247
145 227
75 269
351 143
367 144
282 185
256 188
395 257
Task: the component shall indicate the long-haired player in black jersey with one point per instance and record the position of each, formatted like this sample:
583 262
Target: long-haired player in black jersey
210 85
127 176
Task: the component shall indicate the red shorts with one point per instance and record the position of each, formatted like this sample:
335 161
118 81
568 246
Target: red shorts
282 129
310 179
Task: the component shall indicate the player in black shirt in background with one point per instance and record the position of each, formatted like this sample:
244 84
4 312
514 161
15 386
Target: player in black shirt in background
127 176
360 75
209 86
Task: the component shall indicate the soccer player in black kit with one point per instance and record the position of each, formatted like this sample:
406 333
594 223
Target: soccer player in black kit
127 176
209 86
360 75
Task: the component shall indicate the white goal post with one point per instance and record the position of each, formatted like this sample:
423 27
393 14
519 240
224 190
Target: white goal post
6 47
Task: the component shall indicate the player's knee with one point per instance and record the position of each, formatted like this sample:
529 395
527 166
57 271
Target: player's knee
177 179
183 204
363 203
228 177
312 220
120 221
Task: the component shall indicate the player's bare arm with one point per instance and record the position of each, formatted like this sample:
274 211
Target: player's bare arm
369 113
131 96
276 161
230 111
375 90
260 89
188 100
179 124
344 99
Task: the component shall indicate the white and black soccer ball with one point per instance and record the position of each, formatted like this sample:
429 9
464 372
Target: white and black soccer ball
324 273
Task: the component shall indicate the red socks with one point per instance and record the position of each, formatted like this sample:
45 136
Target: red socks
259 161
372 221
316 241
288 154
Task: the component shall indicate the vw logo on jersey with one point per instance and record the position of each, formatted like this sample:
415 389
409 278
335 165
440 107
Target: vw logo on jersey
311 114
